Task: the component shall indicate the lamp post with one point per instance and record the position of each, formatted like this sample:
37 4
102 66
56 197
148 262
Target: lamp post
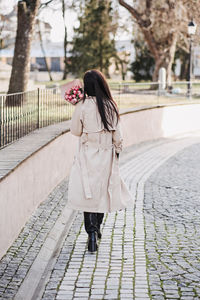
191 31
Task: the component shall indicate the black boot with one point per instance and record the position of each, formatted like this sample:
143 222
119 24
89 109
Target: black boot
92 242
91 227
99 219
99 233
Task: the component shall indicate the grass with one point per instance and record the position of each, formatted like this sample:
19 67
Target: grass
17 121
136 100
53 107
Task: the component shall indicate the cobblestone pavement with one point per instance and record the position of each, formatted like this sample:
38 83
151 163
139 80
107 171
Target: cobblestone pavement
172 222
20 256
118 269
107 274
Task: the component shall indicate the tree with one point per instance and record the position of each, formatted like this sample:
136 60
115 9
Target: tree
160 21
27 10
43 50
7 23
93 45
65 43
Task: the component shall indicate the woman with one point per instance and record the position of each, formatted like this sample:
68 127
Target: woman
95 186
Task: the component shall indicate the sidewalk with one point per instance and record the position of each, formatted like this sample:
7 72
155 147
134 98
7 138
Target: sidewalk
148 251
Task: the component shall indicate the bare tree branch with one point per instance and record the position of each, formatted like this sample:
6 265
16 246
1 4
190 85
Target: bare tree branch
45 4
154 20
164 25
135 14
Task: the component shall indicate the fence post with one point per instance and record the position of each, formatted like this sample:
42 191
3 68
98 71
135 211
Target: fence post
38 104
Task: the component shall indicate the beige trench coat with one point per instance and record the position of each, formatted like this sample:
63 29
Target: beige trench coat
95 184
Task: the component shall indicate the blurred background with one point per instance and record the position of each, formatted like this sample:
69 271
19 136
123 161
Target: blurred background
149 50
127 40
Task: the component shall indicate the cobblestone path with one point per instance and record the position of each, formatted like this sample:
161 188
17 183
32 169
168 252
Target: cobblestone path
172 222
121 268
108 274
21 255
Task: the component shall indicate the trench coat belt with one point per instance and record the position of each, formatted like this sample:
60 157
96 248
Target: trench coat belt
84 169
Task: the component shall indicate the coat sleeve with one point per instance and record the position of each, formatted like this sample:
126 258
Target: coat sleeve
117 138
76 126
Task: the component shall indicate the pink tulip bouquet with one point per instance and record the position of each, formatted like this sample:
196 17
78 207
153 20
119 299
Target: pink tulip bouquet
74 94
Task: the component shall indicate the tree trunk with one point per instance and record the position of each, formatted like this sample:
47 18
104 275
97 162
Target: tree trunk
163 57
172 51
169 72
101 56
166 60
123 73
27 11
65 71
158 64
43 51
184 69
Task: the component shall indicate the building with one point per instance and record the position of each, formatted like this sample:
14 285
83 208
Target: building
54 53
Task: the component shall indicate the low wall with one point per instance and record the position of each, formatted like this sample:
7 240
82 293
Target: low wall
161 121
23 189
29 184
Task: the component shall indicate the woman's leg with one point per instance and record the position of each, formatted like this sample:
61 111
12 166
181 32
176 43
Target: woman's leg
90 222
91 227
99 219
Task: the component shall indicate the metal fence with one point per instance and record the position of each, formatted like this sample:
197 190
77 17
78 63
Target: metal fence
22 113
177 90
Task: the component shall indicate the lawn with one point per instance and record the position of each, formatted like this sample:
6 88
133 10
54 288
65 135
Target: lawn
48 107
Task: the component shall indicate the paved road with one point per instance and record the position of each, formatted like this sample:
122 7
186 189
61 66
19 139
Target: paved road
172 222
148 251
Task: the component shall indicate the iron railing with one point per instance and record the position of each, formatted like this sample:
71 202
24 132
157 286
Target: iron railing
22 113
178 89
131 94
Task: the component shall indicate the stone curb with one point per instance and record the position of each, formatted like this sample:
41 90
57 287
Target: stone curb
34 281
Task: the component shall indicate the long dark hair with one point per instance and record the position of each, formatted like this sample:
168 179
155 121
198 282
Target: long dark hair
95 85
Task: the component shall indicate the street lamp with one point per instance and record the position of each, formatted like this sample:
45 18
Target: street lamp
191 31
